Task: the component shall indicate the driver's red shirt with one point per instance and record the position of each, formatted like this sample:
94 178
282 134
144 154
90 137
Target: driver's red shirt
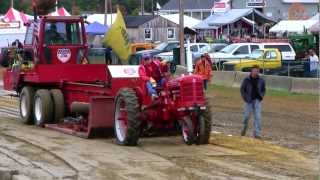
151 70
145 72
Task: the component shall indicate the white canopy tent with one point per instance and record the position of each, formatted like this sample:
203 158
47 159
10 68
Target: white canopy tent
292 26
189 22
8 35
100 18
12 26
60 12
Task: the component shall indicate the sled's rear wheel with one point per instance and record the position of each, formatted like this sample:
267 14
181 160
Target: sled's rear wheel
127 123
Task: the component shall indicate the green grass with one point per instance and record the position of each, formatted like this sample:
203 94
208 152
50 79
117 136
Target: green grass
271 93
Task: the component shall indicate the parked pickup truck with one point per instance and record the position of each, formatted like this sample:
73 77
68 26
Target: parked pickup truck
267 59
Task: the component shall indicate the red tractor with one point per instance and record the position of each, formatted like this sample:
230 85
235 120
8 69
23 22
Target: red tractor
61 89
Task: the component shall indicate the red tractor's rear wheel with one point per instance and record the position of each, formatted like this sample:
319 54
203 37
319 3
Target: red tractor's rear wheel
127 123
26 104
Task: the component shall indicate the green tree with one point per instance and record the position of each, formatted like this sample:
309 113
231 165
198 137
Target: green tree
129 7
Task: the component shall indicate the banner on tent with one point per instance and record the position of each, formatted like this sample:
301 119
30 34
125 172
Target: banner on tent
256 3
9 25
221 6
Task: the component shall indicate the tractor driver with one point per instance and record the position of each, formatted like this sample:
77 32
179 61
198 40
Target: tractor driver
150 72
52 36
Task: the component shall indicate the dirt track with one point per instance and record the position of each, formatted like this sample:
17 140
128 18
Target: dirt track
45 154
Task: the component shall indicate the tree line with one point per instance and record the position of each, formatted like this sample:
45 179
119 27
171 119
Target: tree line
128 7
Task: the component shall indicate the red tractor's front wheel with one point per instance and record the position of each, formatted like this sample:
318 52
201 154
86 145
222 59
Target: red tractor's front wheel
196 127
187 131
127 123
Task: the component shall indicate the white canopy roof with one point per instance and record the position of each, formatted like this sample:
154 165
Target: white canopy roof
297 26
100 18
60 12
189 22
315 17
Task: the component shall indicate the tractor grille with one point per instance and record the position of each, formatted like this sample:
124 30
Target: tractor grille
192 92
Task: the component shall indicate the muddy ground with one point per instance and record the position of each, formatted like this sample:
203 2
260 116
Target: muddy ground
289 148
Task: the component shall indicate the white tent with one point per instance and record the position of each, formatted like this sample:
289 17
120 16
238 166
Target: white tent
60 12
100 18
292 26
189 22
315 17
12 26
7 36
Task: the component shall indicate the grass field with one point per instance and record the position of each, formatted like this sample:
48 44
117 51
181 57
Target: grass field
288 119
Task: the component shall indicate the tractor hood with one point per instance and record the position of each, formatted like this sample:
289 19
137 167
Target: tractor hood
124 71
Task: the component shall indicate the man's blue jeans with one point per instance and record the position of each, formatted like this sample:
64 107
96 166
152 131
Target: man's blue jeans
255 108
205 84
151 90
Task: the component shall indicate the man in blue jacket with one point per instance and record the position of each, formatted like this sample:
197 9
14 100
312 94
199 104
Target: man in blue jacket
252 91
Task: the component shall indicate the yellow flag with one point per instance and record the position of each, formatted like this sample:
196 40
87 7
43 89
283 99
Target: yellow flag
118 39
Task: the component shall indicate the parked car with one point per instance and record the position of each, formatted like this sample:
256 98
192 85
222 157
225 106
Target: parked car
210 49
287 51
195 48
235 51
163 47
267 59
136 47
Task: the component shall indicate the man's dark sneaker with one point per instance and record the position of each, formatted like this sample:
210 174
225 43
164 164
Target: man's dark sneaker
243 132
258 137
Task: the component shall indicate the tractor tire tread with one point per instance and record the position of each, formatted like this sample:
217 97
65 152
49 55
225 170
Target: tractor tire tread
205 131
30 92
58 105
47 103
133 109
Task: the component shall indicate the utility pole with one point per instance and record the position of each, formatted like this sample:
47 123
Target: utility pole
111 12
142 7
12 3
105 12
181 37
57 6
152 5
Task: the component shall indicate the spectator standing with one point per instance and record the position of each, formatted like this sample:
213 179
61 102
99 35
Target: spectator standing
314 62
253 91
204 69
208 58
